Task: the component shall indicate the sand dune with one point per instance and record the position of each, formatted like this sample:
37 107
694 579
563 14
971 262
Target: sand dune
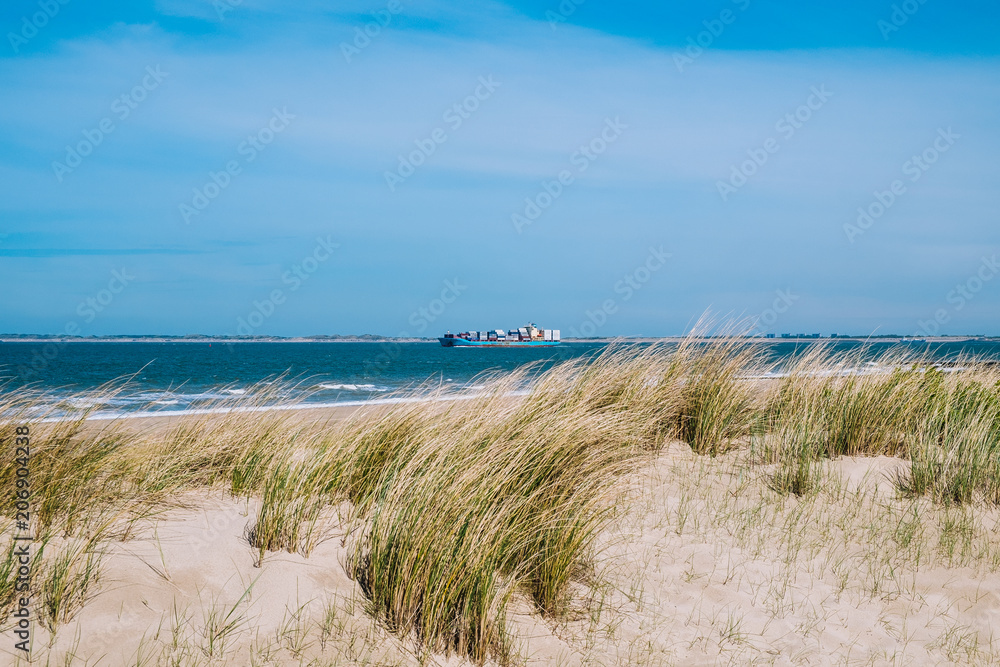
704 566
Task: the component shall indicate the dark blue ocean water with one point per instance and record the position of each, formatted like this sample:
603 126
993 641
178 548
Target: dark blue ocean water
197 376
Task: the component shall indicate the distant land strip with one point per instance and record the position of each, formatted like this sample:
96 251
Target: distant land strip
374 338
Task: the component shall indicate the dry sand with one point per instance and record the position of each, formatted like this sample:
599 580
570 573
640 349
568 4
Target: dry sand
704 565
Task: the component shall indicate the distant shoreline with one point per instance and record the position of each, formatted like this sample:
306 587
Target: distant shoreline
207 339
17 338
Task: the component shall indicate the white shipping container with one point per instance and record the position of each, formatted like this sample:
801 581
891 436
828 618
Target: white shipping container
555 334
547 334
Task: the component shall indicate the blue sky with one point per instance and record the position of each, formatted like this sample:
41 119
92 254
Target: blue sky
189 166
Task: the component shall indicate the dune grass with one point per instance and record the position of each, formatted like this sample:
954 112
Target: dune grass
955 455
456 508
8 578
66 581
945 422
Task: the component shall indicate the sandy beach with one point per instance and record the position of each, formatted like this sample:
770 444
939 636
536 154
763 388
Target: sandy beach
685 576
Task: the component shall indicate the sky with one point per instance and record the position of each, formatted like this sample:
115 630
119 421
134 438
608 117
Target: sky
405 168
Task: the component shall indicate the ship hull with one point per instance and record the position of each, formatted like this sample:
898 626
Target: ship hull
461 342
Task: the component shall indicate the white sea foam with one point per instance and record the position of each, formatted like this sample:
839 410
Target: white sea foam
869 368
82 403
352 387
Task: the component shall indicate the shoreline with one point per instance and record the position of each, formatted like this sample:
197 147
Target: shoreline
331 411
294 407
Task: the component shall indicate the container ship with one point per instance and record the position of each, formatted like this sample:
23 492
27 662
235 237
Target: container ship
528 336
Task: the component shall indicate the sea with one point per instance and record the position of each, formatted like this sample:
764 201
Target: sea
105 380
